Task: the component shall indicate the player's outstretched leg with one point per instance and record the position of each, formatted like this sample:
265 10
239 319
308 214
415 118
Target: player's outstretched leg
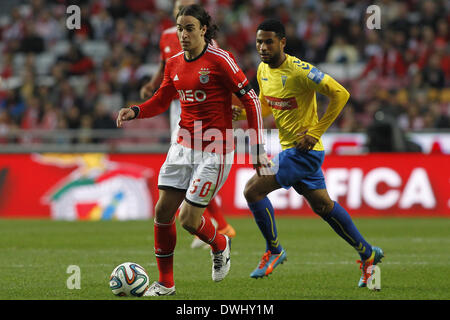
255 193
207 232
214 212
339 219
220 248
341 222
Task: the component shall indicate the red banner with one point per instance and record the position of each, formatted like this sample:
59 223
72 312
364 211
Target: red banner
375 184
124 186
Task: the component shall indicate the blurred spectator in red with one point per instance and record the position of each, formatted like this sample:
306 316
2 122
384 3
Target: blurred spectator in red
50 117
310 26
425 46
75 62
30 119
237 39
389 65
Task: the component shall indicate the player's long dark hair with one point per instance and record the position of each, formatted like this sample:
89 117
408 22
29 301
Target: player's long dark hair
201 15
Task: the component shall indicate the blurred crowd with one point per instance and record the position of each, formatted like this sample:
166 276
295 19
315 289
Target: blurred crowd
53 77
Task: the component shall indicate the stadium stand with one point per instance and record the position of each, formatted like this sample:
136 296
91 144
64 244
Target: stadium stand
53 78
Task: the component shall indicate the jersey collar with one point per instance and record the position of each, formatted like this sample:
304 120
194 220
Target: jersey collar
197 57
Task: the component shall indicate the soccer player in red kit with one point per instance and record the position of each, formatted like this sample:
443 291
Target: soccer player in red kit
168 46
198 164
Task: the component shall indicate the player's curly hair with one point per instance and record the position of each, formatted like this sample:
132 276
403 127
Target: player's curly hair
273 25
203 16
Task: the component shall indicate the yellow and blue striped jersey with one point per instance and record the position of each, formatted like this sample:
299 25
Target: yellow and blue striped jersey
289 93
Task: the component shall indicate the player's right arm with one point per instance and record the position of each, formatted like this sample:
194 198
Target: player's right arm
157 104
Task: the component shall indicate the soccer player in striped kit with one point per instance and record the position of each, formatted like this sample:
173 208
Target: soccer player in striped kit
199 162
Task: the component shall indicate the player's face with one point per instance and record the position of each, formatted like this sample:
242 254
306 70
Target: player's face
269 46
190 33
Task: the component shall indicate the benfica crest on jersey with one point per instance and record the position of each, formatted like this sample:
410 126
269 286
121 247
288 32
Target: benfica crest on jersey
204 75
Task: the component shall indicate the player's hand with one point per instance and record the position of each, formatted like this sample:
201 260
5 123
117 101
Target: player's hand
147 90
125 114
305 143
236 112
262 165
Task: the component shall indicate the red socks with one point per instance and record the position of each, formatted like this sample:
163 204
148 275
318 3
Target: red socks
208 233
165 241
214 211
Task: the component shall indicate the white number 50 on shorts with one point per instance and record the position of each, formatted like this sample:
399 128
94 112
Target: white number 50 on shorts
200 174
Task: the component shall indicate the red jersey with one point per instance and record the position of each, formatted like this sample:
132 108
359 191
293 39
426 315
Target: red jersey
205 86
169 44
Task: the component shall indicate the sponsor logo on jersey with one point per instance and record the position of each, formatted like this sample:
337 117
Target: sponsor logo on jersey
191 95
282 103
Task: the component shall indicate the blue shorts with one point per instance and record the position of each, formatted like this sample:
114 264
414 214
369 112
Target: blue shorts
292 167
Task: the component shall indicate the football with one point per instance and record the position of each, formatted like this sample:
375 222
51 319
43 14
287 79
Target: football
129 279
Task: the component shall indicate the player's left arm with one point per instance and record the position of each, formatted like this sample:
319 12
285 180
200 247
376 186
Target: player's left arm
338 97
239 112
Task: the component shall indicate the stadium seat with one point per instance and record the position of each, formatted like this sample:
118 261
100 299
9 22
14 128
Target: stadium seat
60 48
44 61
97 50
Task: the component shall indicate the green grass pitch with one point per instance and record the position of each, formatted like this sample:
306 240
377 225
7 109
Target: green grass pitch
35 255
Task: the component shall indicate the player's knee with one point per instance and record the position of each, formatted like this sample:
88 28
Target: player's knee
251 193
184 221
322 208
163 212
188 222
